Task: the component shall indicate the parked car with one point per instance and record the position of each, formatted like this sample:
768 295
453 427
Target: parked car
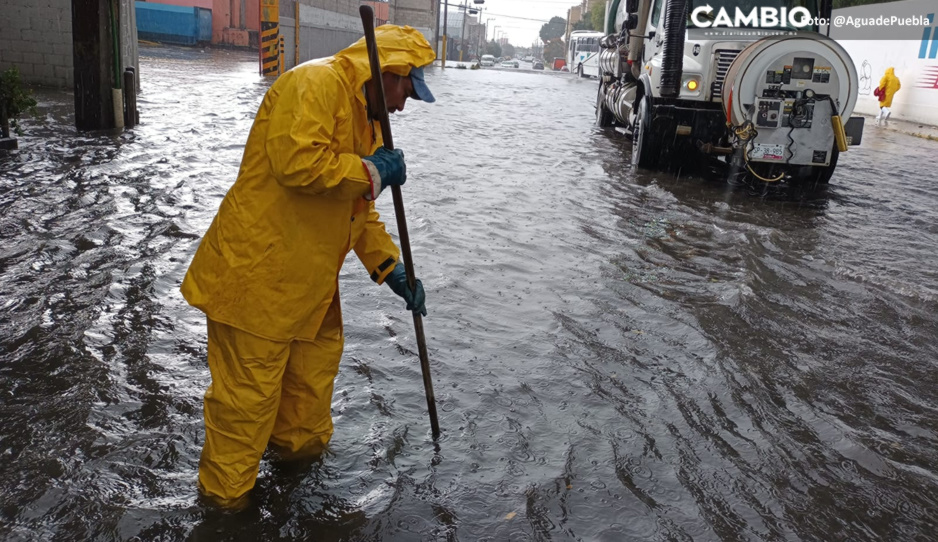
487 61
537 65
511 64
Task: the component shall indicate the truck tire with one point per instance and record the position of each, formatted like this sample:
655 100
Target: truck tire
604 117
643 153
579 71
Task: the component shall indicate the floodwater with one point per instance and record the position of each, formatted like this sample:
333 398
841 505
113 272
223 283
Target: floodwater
616 355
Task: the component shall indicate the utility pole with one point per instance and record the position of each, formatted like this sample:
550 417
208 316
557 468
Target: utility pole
96 63
462 31
436 35
445 26
476 38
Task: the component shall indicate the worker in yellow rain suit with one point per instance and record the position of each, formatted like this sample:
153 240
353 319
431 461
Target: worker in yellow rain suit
266 271
888 86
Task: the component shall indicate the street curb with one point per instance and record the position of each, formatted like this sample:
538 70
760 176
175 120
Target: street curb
895 126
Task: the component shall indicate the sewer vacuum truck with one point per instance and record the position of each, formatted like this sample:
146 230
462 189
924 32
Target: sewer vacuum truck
751 88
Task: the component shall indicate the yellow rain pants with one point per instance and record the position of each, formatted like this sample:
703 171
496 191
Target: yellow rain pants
890 83
264 392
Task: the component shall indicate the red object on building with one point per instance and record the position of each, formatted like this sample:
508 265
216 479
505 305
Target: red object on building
382 12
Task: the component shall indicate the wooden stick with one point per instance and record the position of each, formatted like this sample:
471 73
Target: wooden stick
380 110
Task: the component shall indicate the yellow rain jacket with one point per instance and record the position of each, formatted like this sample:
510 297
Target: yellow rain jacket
269 263
890 84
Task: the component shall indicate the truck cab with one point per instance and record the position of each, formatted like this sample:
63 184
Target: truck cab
709 51
670 70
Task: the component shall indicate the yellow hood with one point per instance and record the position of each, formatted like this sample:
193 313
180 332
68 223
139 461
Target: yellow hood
400 48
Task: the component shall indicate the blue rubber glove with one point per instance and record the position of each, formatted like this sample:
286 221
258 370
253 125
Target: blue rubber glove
386 168
397 280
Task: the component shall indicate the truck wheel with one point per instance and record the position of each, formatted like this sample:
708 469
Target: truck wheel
643 153
579 71
604 117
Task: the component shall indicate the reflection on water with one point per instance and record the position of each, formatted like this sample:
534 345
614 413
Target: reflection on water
617 355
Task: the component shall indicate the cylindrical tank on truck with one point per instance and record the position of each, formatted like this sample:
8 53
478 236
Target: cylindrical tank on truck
764 104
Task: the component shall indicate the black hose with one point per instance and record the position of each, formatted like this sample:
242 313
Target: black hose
672 56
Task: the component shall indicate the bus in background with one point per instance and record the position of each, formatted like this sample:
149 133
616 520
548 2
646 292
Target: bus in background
583 53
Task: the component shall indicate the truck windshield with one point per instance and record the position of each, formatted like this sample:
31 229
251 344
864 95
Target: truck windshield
746 7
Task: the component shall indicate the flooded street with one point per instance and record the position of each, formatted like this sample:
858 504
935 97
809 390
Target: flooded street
616 355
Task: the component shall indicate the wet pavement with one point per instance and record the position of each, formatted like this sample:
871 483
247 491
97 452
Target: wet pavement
617 355
924 131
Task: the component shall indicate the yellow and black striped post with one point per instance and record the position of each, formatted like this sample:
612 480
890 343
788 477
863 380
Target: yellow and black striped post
270 37
282 67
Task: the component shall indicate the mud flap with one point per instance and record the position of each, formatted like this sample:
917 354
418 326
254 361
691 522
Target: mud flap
854 130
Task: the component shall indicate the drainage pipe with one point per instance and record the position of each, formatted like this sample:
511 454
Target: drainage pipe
672 55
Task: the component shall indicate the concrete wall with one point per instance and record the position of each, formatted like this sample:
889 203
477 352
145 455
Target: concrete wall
324 32
326 27
36 37
420 14
911 50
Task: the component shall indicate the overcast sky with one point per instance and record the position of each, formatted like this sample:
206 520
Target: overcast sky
520 20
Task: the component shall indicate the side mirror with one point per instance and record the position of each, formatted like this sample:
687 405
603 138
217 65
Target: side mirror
632 22
631 6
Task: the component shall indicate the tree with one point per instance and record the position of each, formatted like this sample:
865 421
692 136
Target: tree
553 29
14 101
592 19
554 49
508 50
598 15
493 48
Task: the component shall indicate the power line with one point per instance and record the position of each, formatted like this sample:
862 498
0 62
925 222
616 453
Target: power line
487 13
570 3
516 17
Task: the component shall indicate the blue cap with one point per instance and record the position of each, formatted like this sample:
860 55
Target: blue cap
420 85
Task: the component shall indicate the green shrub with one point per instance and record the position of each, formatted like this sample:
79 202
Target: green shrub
14 101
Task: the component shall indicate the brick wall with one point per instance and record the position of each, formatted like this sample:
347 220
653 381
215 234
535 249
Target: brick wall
37 38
